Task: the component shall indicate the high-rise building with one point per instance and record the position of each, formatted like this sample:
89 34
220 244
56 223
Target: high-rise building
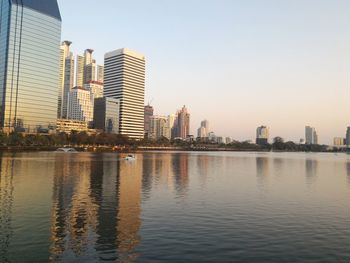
86 68
311 136
147 119
100 73
203 129
182 123
30 34
106 114
66 78
95 87
80 105
347 138
159 127
338 141
124 79
79 79
262 135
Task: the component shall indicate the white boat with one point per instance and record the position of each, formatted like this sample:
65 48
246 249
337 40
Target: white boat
130 157
67 150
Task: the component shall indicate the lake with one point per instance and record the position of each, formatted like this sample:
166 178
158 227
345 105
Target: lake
174 207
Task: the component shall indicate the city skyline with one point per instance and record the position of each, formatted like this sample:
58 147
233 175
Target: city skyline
257 57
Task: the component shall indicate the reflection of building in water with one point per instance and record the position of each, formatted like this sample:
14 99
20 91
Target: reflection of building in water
96 208
204 168
348 171
6 201
180 167
129 221
310 170
262 169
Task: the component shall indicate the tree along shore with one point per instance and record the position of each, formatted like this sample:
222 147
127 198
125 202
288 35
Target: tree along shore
113 142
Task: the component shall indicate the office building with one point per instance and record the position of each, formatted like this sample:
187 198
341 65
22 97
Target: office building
66 78
262 135
95 87
347 138
159 127
79 79
124 79
182 124
86 68
311 136
80 105
203 129
106 114
67 126
100 73
338 141
30 35
149 111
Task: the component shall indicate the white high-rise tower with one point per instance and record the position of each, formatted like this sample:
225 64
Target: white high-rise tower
124 79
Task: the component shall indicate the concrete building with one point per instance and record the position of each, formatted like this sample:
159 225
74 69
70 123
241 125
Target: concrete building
66 78
80 105
30 35
182 124
311 136
86 68
228 140
262 135
95 87
148 113
106 114
124 79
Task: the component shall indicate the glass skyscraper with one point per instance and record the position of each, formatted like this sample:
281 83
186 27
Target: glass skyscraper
30 33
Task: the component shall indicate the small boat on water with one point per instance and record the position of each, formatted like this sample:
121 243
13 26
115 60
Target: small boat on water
67 150
130 157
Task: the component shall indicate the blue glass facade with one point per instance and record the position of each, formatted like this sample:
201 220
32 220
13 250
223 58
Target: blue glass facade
29 66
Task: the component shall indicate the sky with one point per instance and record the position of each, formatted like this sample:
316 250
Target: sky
237 63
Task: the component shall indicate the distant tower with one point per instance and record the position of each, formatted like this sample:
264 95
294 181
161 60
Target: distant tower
182 123
124 79
262 135
311 136
66 78
149 111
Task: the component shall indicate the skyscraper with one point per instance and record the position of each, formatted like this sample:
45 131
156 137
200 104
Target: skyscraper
147 119
182 123
79 79
262 135
203 129
311 136
30 34
347 138
66 78
100 73
124 79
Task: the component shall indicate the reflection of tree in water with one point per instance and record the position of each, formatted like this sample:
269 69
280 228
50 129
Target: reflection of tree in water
180 168
96 208
311 170
262 170
6 202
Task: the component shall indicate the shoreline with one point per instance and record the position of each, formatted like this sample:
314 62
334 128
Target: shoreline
127 149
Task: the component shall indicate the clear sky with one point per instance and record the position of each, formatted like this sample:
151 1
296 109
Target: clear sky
237 63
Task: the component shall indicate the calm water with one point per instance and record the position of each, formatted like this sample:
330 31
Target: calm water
175 207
